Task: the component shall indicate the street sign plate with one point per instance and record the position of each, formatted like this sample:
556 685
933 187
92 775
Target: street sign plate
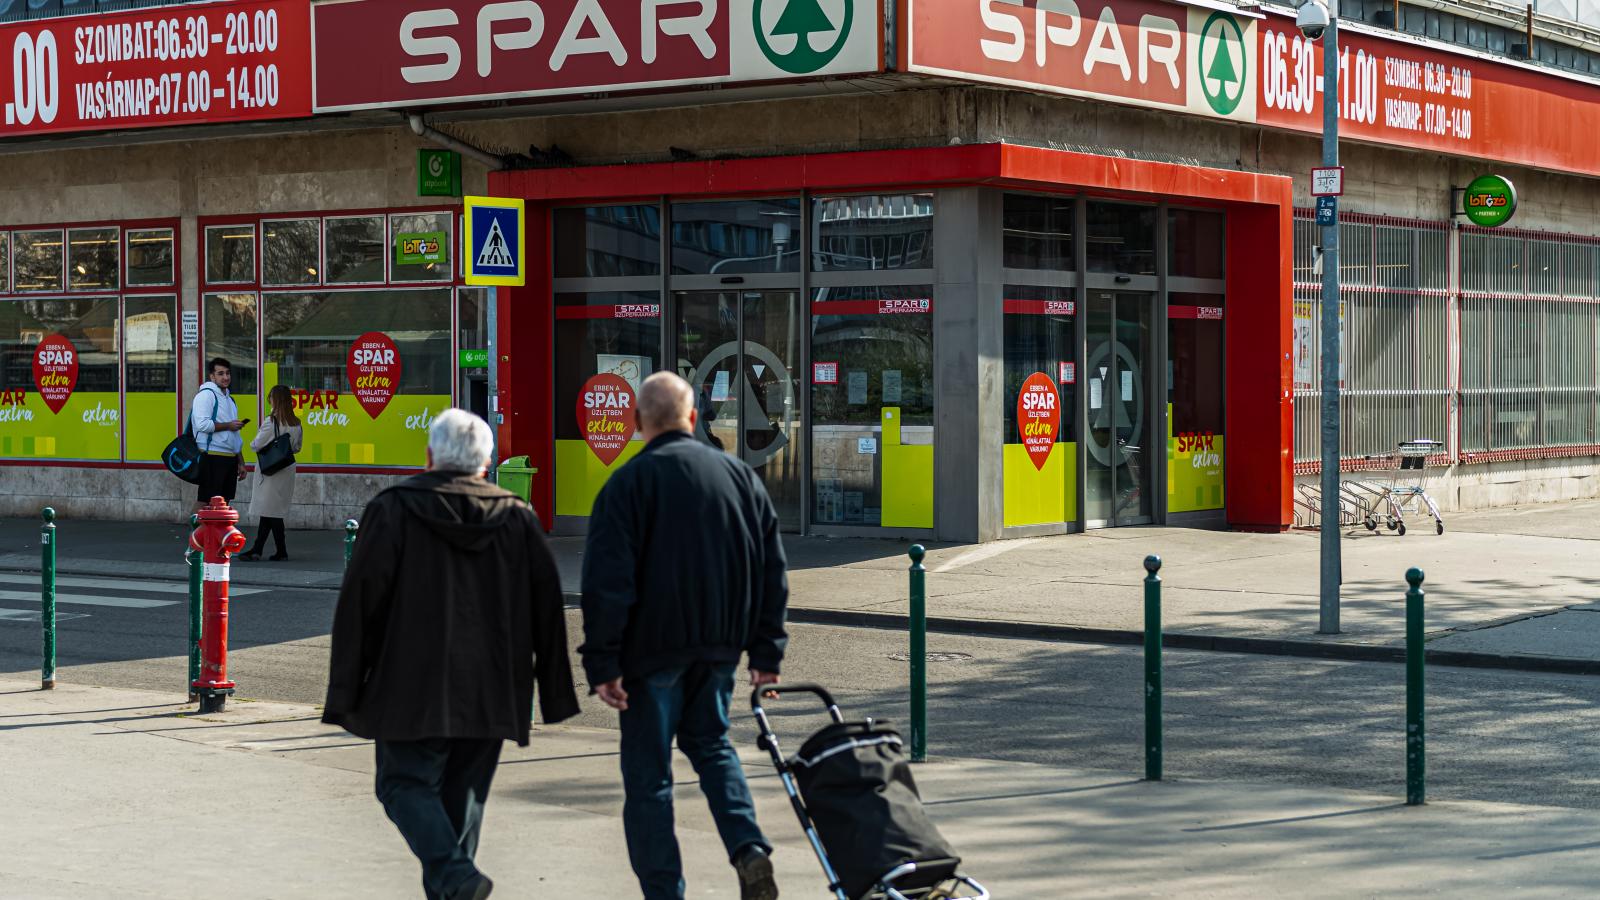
1327 181
1327 210
495 228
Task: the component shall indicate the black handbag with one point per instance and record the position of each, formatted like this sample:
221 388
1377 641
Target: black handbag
182 456
276 456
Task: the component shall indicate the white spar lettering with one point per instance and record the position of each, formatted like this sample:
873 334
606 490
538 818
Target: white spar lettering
439 54
1160 39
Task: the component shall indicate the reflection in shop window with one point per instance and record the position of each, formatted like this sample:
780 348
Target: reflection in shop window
355 250
872 232
1194 243
290 255
609 335
736 237
150 399
427 231
5 261
150 257
369 370
231 254
1038 232
1194 398
607 241
1040 458
71 410
230 332
1122 238
872 406
93 259
38 260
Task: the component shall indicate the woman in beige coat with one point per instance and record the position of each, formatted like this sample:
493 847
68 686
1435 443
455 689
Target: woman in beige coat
271 494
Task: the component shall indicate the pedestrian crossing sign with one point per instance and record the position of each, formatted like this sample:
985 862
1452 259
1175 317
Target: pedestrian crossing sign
495 234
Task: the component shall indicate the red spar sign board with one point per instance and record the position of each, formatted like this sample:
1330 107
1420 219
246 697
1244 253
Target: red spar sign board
416 52
55 371
374 370
180 65
606 415
1405 94
1038 417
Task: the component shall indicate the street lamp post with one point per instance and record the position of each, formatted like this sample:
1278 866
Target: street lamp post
1331 574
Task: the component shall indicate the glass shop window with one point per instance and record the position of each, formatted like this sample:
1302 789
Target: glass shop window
872 406
1038 232
37 260
429 237
150 257
291 252
1195 420
150 397
72 406
607 241
230 254
355 250
1195 243
94 260
1122 238
727 237
1040 402
872 232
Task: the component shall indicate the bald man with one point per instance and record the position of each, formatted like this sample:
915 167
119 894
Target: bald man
684 573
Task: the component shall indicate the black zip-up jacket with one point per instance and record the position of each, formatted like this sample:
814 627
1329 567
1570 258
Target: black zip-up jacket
450 611
684 564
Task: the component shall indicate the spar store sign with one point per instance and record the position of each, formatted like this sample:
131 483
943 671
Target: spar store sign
185 65
417 52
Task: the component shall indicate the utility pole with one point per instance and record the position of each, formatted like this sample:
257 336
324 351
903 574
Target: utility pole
1332 565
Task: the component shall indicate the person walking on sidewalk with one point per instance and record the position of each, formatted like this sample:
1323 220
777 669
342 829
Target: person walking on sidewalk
270 495
450 610
684 572
216 423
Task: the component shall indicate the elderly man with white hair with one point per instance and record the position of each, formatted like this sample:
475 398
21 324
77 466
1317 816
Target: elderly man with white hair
450 611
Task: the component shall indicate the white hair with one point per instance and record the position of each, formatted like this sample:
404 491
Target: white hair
460 442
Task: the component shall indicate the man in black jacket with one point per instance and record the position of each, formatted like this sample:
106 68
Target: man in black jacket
683 574
450 610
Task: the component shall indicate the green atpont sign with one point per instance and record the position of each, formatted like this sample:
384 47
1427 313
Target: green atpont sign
1490 201
438 173
419 249
473 359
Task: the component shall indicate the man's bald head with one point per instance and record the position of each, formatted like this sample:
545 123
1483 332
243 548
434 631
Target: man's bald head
666 403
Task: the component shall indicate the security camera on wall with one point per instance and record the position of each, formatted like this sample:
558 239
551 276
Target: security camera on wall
1312 19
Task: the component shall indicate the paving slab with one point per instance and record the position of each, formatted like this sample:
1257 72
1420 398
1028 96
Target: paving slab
121 793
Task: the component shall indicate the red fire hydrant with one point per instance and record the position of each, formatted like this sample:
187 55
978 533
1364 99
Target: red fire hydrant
218 540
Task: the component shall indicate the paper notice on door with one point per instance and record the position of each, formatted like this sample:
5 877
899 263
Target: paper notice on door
891 385
719 388
857 388
1127 386
1095 388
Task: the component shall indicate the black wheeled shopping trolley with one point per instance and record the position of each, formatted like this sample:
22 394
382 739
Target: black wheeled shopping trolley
851 788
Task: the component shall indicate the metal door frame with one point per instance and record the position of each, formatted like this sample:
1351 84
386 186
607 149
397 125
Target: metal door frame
1118 294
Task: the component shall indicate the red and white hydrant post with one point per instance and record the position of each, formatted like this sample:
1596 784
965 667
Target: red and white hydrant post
218 539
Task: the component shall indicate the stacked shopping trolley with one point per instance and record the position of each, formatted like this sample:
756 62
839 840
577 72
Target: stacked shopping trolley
1399 489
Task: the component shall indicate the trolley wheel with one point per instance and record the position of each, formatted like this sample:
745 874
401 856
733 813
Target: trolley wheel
1371 524
1440 526
1401 529
1395 524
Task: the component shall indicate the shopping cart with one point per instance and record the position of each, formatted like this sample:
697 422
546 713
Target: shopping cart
1404 491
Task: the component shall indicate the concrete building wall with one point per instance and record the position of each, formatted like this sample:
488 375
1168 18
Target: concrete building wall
367 167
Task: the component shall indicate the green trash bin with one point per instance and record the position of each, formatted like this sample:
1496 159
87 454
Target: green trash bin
516 476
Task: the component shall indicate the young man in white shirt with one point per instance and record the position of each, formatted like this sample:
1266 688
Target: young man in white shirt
216 422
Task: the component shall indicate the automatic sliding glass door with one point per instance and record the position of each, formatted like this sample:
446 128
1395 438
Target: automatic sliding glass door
1123 447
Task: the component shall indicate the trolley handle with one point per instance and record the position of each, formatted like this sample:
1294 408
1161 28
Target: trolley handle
799 688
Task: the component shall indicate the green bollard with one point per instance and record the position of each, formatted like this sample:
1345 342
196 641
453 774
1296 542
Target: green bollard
1416 738
47 597
351 526
1152 669
919 656
196 573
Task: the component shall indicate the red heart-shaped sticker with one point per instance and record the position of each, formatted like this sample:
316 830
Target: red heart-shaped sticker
374 370
606 416
1038 417
55 371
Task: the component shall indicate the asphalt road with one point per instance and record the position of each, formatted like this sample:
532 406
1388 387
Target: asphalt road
1504 736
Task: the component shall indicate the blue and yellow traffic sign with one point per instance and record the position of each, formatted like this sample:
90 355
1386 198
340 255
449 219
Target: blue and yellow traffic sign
495 228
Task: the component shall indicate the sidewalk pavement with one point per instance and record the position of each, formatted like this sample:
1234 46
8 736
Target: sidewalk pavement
122 793
1510 587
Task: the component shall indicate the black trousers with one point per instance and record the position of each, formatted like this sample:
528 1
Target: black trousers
434 791
219 477
274 527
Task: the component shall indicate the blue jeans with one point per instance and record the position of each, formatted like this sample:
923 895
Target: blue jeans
691 704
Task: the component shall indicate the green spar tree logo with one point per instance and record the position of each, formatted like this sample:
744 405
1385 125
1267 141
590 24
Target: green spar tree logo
801 19
1221 77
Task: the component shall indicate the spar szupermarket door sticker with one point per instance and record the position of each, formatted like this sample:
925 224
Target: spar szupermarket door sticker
1038 417
606 416
55 371
374 371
